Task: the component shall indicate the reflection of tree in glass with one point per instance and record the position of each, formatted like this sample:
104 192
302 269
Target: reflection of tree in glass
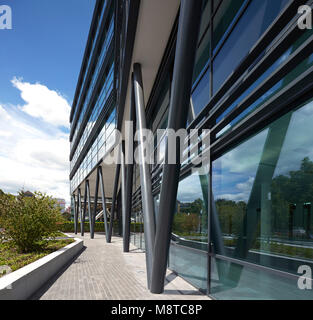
291 199
187 220
296 192
230 215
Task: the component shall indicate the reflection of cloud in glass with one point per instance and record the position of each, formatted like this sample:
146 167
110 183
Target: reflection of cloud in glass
244 158
298 141
242 191
234 172
190 189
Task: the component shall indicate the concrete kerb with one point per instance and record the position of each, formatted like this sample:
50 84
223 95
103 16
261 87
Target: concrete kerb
23 283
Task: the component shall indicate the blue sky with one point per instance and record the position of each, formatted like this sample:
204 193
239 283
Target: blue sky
46 44
40 60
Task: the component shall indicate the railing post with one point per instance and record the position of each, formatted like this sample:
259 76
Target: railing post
187 40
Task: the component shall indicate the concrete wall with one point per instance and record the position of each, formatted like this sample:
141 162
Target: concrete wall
23 283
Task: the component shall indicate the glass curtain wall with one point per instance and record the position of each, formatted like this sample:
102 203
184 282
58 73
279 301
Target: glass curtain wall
263 190
189 245
261 224
137 227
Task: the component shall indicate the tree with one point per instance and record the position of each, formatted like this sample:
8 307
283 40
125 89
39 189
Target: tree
67 214
231 215
29 221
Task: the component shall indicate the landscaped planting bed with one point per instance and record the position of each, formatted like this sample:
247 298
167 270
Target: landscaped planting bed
11 257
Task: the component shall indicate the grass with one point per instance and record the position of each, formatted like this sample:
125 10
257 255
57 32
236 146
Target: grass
15 260
60 234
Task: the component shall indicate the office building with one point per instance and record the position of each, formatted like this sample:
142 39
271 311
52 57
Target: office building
242 70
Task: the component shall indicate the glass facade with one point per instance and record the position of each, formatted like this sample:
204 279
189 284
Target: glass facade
188 253
87 146
103 143
105 93
242 231
95 76
255 20
91 50
137 226
263 193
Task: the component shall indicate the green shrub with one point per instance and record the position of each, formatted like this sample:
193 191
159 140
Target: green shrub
68 226
29 221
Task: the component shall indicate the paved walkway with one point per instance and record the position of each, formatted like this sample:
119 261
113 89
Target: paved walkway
103 272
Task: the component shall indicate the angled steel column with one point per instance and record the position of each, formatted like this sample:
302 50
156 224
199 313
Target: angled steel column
84 210
123 188
75 215
119 212
89 202
80 211
104 204
93 217
129 171
145 175
187 39
117 176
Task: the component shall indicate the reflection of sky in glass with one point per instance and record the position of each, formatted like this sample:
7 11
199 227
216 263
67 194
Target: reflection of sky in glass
258 16
270 92
298 141
190 189
234 172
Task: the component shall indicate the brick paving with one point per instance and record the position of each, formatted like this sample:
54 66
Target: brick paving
103 272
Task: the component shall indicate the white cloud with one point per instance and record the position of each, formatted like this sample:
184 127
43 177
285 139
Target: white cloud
234 173
4 115
240 192
245 158
43 103
5 134
190 189
34 152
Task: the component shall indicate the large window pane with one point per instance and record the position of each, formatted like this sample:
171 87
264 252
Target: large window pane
224 18
201 95
256 19
253 284
297 71
188 252
263 191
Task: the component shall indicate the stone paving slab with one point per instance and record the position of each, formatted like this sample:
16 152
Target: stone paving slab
103 272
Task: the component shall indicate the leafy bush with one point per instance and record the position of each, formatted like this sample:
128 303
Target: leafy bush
99 227
29 221
68 226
